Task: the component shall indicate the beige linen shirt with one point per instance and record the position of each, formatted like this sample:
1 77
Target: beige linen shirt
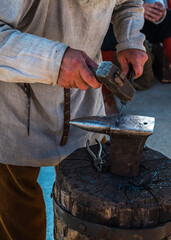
34 35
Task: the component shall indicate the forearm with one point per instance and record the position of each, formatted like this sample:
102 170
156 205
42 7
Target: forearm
25 57
28 58
128 20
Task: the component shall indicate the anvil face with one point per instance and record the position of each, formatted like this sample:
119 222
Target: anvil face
104 69
127 139
130 124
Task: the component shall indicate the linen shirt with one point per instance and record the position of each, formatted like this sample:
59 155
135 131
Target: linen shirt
34 35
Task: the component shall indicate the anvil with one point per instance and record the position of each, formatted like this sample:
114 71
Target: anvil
127 138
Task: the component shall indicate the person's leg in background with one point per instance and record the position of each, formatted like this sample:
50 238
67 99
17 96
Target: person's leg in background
167 48
22 208
167 42
157 34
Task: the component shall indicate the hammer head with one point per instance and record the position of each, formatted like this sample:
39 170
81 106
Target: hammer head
114 80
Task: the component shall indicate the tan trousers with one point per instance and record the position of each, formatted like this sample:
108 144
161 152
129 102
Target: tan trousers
22 207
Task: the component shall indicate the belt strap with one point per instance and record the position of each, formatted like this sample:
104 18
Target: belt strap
66 116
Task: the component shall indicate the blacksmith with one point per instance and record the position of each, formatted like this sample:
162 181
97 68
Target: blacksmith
46 48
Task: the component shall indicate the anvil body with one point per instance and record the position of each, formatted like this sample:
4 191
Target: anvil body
127 139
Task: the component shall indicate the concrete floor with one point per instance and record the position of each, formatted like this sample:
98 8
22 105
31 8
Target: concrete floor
155 102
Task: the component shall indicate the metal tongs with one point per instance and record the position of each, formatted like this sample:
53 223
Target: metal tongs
97 160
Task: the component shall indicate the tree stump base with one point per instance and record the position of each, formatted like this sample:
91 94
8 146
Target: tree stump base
104 206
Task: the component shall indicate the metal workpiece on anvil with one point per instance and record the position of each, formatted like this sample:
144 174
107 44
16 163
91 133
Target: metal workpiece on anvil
127 139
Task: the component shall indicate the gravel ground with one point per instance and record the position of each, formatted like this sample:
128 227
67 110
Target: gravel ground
154 102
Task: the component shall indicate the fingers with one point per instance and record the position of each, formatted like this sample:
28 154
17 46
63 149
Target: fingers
138 69
137 66
72 79
138 62
89 61
124 64
87 75
135 57
154 12
74 71
159 5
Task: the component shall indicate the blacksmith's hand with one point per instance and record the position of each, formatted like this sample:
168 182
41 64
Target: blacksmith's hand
135 57
74 71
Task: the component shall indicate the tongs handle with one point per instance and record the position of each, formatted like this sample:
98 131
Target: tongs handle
131 74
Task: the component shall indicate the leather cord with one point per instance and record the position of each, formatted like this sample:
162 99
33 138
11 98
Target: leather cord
66 116
27 90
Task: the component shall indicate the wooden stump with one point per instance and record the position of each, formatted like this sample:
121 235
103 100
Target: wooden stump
110 207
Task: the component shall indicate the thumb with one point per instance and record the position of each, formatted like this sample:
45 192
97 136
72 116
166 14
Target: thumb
122 59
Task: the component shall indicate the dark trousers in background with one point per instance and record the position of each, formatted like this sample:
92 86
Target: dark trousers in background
156 33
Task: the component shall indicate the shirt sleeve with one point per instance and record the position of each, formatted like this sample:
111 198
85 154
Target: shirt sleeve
128 20
25 57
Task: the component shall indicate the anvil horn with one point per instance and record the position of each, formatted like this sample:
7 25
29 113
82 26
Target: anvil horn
93 124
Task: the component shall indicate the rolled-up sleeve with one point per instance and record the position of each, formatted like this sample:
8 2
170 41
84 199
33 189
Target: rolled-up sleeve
25 57
128 20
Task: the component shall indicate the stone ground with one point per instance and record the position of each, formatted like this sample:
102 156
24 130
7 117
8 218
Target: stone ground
154 102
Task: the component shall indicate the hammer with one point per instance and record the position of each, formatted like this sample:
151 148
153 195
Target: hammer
111 76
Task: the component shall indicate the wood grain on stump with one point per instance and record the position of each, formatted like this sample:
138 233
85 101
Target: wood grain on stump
112 200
